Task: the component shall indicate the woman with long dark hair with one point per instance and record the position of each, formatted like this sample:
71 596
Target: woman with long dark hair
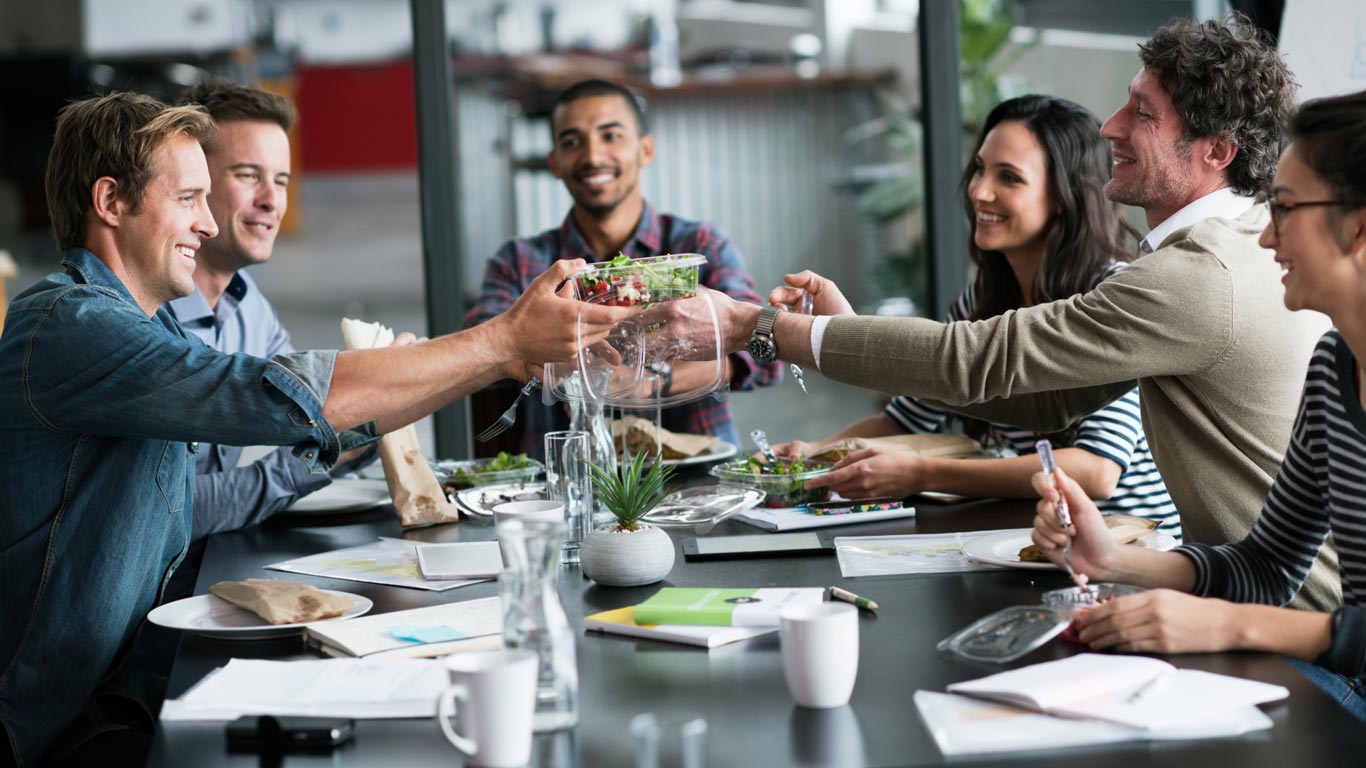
1042 230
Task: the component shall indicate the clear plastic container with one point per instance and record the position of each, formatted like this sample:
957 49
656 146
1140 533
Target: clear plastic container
1073 602
459 474
783 489
622 370
640 281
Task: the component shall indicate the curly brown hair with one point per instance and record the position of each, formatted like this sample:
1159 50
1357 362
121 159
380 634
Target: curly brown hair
1226 79
118 136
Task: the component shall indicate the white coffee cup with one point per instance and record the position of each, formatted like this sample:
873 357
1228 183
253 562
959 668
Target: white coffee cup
496 691
539 509
820 653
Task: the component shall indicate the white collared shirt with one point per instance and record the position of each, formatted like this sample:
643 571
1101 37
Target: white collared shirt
1223 203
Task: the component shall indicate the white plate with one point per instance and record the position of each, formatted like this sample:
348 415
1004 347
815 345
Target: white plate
1004 548
719 450
212 616
343 495
481 499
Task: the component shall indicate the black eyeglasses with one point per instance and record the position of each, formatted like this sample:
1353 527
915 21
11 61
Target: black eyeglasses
1279 209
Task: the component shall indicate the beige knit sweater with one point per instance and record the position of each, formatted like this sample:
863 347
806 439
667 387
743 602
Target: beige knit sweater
1199 323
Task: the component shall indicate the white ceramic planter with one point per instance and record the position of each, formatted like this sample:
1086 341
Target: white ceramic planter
615 558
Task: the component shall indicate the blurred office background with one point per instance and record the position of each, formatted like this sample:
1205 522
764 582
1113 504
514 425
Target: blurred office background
793 124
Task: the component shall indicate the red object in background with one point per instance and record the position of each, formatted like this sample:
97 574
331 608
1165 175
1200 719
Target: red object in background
357 117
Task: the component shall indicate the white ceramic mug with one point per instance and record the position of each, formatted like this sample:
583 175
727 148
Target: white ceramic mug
496 691
820 653
537 509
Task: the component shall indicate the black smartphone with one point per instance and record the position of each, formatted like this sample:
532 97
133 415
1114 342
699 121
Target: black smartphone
756 545
261 733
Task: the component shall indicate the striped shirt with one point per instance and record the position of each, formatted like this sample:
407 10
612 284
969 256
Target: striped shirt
1320 489
1114 432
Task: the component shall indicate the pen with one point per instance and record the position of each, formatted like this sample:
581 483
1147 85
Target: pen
849 597
848 506
1045 451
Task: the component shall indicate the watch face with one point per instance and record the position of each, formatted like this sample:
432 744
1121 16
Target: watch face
762 349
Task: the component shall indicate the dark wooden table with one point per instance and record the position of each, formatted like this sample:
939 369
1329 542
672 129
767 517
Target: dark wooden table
739 688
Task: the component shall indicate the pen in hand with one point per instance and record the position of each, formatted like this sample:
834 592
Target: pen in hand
1050 468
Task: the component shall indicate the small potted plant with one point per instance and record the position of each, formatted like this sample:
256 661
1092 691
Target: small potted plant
629 553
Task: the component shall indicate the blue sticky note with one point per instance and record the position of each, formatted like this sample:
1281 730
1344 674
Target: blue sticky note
414 634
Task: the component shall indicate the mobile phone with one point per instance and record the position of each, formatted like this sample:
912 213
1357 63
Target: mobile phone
754 546
265 733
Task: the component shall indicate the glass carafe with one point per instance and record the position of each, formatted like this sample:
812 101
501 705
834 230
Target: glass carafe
534 618
590 416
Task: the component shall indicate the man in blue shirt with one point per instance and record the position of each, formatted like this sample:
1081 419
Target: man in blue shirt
103 395
248 157
602 142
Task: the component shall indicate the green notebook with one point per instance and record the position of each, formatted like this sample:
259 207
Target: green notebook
723 607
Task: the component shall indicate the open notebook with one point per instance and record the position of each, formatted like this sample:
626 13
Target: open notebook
1134 691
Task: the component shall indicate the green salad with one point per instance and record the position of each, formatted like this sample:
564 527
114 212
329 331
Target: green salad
466 476
782 481
624 282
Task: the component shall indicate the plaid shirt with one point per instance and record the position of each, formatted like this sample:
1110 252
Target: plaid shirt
521 260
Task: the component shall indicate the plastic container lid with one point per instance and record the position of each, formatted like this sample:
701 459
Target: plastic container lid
1007 634
702 507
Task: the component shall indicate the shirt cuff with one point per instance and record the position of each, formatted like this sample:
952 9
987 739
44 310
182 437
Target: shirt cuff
817 333
1347 653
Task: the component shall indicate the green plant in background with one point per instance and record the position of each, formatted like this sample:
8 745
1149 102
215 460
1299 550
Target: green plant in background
986 28
630 492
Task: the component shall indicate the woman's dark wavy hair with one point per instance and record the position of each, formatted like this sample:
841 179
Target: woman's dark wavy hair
1330 135
1089 231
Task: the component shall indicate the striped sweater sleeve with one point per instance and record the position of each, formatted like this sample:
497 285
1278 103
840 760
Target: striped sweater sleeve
1272 562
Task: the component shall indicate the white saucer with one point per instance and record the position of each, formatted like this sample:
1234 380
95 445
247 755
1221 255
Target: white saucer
1004 548
719 450
212 616
343 495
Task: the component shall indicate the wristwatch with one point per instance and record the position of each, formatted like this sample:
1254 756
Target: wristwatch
761 345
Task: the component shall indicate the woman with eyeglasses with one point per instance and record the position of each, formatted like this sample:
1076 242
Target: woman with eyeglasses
1041 230
1208 598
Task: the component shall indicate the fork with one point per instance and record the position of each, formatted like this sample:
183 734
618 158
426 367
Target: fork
509 416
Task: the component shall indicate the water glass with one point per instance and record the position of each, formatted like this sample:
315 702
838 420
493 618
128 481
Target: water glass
669 741
569 481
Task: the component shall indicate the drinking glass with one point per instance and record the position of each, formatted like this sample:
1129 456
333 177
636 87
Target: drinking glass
569 480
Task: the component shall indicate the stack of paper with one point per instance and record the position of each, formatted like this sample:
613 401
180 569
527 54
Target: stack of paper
360 688
1093 699
785 519
421 632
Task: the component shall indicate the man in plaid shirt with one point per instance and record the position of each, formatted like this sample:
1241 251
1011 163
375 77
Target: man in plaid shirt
601 143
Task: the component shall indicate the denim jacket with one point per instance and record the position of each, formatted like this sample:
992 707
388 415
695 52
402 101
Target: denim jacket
100 408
